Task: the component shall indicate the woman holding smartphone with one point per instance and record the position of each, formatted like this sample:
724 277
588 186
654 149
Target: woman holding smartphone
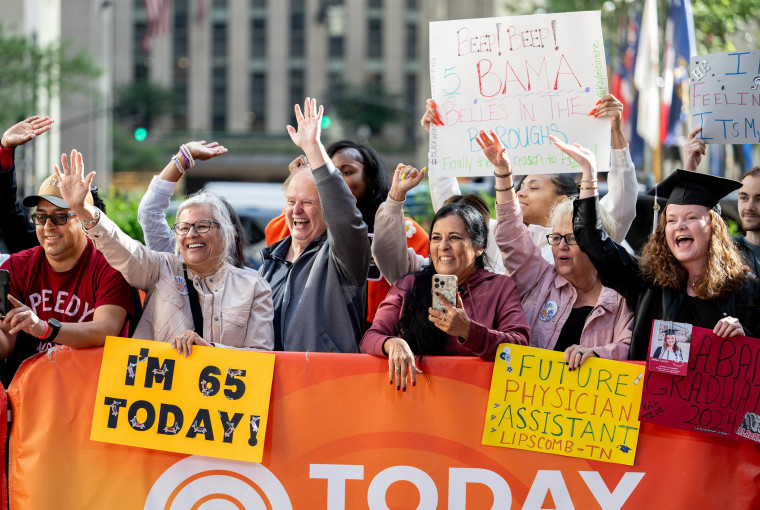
486 313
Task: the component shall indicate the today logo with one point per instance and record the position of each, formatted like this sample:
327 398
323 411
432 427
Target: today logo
203 482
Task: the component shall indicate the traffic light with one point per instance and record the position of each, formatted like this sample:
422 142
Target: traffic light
326 122
141 134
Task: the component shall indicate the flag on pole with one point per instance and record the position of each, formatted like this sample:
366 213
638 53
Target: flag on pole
646 74
158 13
679 47
201 10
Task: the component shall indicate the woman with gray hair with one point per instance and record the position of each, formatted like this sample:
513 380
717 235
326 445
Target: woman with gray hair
567 306
195 295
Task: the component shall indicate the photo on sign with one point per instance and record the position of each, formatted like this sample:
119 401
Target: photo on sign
669 347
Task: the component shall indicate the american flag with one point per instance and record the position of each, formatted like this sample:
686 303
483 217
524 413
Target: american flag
158 13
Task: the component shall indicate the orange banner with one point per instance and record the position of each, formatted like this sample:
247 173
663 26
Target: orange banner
341 437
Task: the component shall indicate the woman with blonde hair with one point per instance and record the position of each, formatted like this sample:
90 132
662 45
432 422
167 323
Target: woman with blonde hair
690 270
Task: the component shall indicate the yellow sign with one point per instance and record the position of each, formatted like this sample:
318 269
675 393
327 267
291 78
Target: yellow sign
214 403
537 404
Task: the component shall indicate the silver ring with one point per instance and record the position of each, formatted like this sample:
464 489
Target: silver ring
398 369
579 352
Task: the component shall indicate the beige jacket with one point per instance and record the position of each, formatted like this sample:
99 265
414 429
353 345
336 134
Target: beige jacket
236 304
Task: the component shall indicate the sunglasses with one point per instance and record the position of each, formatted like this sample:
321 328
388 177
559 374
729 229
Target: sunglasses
57 218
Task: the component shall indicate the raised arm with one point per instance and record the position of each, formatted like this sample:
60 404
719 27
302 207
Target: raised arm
617 268
139 265
623 188
151 212
441 188
346 230
693 150
521 256
389 248
17 230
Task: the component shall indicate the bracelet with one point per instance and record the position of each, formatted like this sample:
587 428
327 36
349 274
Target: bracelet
588 188
179 166
92 222
46 334
505 189
187 161
503 175
188 155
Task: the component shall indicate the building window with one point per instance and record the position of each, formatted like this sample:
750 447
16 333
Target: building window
297 91
259 38
297 28
181 51
335 47
375 38
375 4
258 101
219 40
411 41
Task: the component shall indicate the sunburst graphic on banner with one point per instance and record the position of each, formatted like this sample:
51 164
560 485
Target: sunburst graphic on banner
204 483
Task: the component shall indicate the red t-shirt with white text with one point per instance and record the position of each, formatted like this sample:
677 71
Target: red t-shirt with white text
68 296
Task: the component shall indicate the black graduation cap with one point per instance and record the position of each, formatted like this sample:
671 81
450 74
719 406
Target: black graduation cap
685 187
669 332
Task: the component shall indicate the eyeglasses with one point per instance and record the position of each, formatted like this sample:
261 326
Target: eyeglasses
556 239
57 219
200 226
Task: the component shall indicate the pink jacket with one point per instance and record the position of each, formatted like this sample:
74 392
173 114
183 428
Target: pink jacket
491 302
547 298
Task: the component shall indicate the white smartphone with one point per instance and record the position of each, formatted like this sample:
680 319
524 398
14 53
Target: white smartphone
446 286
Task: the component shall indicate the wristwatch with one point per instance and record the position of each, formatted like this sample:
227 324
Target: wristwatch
55 327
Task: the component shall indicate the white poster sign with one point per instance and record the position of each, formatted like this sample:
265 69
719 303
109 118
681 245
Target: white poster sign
525 78
725 96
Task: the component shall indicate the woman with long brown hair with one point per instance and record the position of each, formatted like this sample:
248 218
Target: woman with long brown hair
690 270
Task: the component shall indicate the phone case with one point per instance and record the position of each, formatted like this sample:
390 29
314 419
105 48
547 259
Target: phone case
5 288
446 286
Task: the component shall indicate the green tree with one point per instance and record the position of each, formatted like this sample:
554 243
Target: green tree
139 104
143 103
715 21
25 69
369 105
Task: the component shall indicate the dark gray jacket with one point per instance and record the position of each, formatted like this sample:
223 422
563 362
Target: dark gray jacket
325 299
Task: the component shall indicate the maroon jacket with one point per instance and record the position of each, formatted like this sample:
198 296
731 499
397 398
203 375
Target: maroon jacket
492 303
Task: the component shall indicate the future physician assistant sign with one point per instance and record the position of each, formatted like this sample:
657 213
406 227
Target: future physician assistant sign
213 403
537 404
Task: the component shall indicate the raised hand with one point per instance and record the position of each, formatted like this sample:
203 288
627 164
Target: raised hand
581 155
430 116
73 183
298 164
693 150
309 124
493 149
404 179
203 151
609 106
24 131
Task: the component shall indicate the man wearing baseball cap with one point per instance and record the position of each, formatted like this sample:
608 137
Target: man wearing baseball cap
63 291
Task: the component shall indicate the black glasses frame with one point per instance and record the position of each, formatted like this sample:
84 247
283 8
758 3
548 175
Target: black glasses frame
560 237
57 218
